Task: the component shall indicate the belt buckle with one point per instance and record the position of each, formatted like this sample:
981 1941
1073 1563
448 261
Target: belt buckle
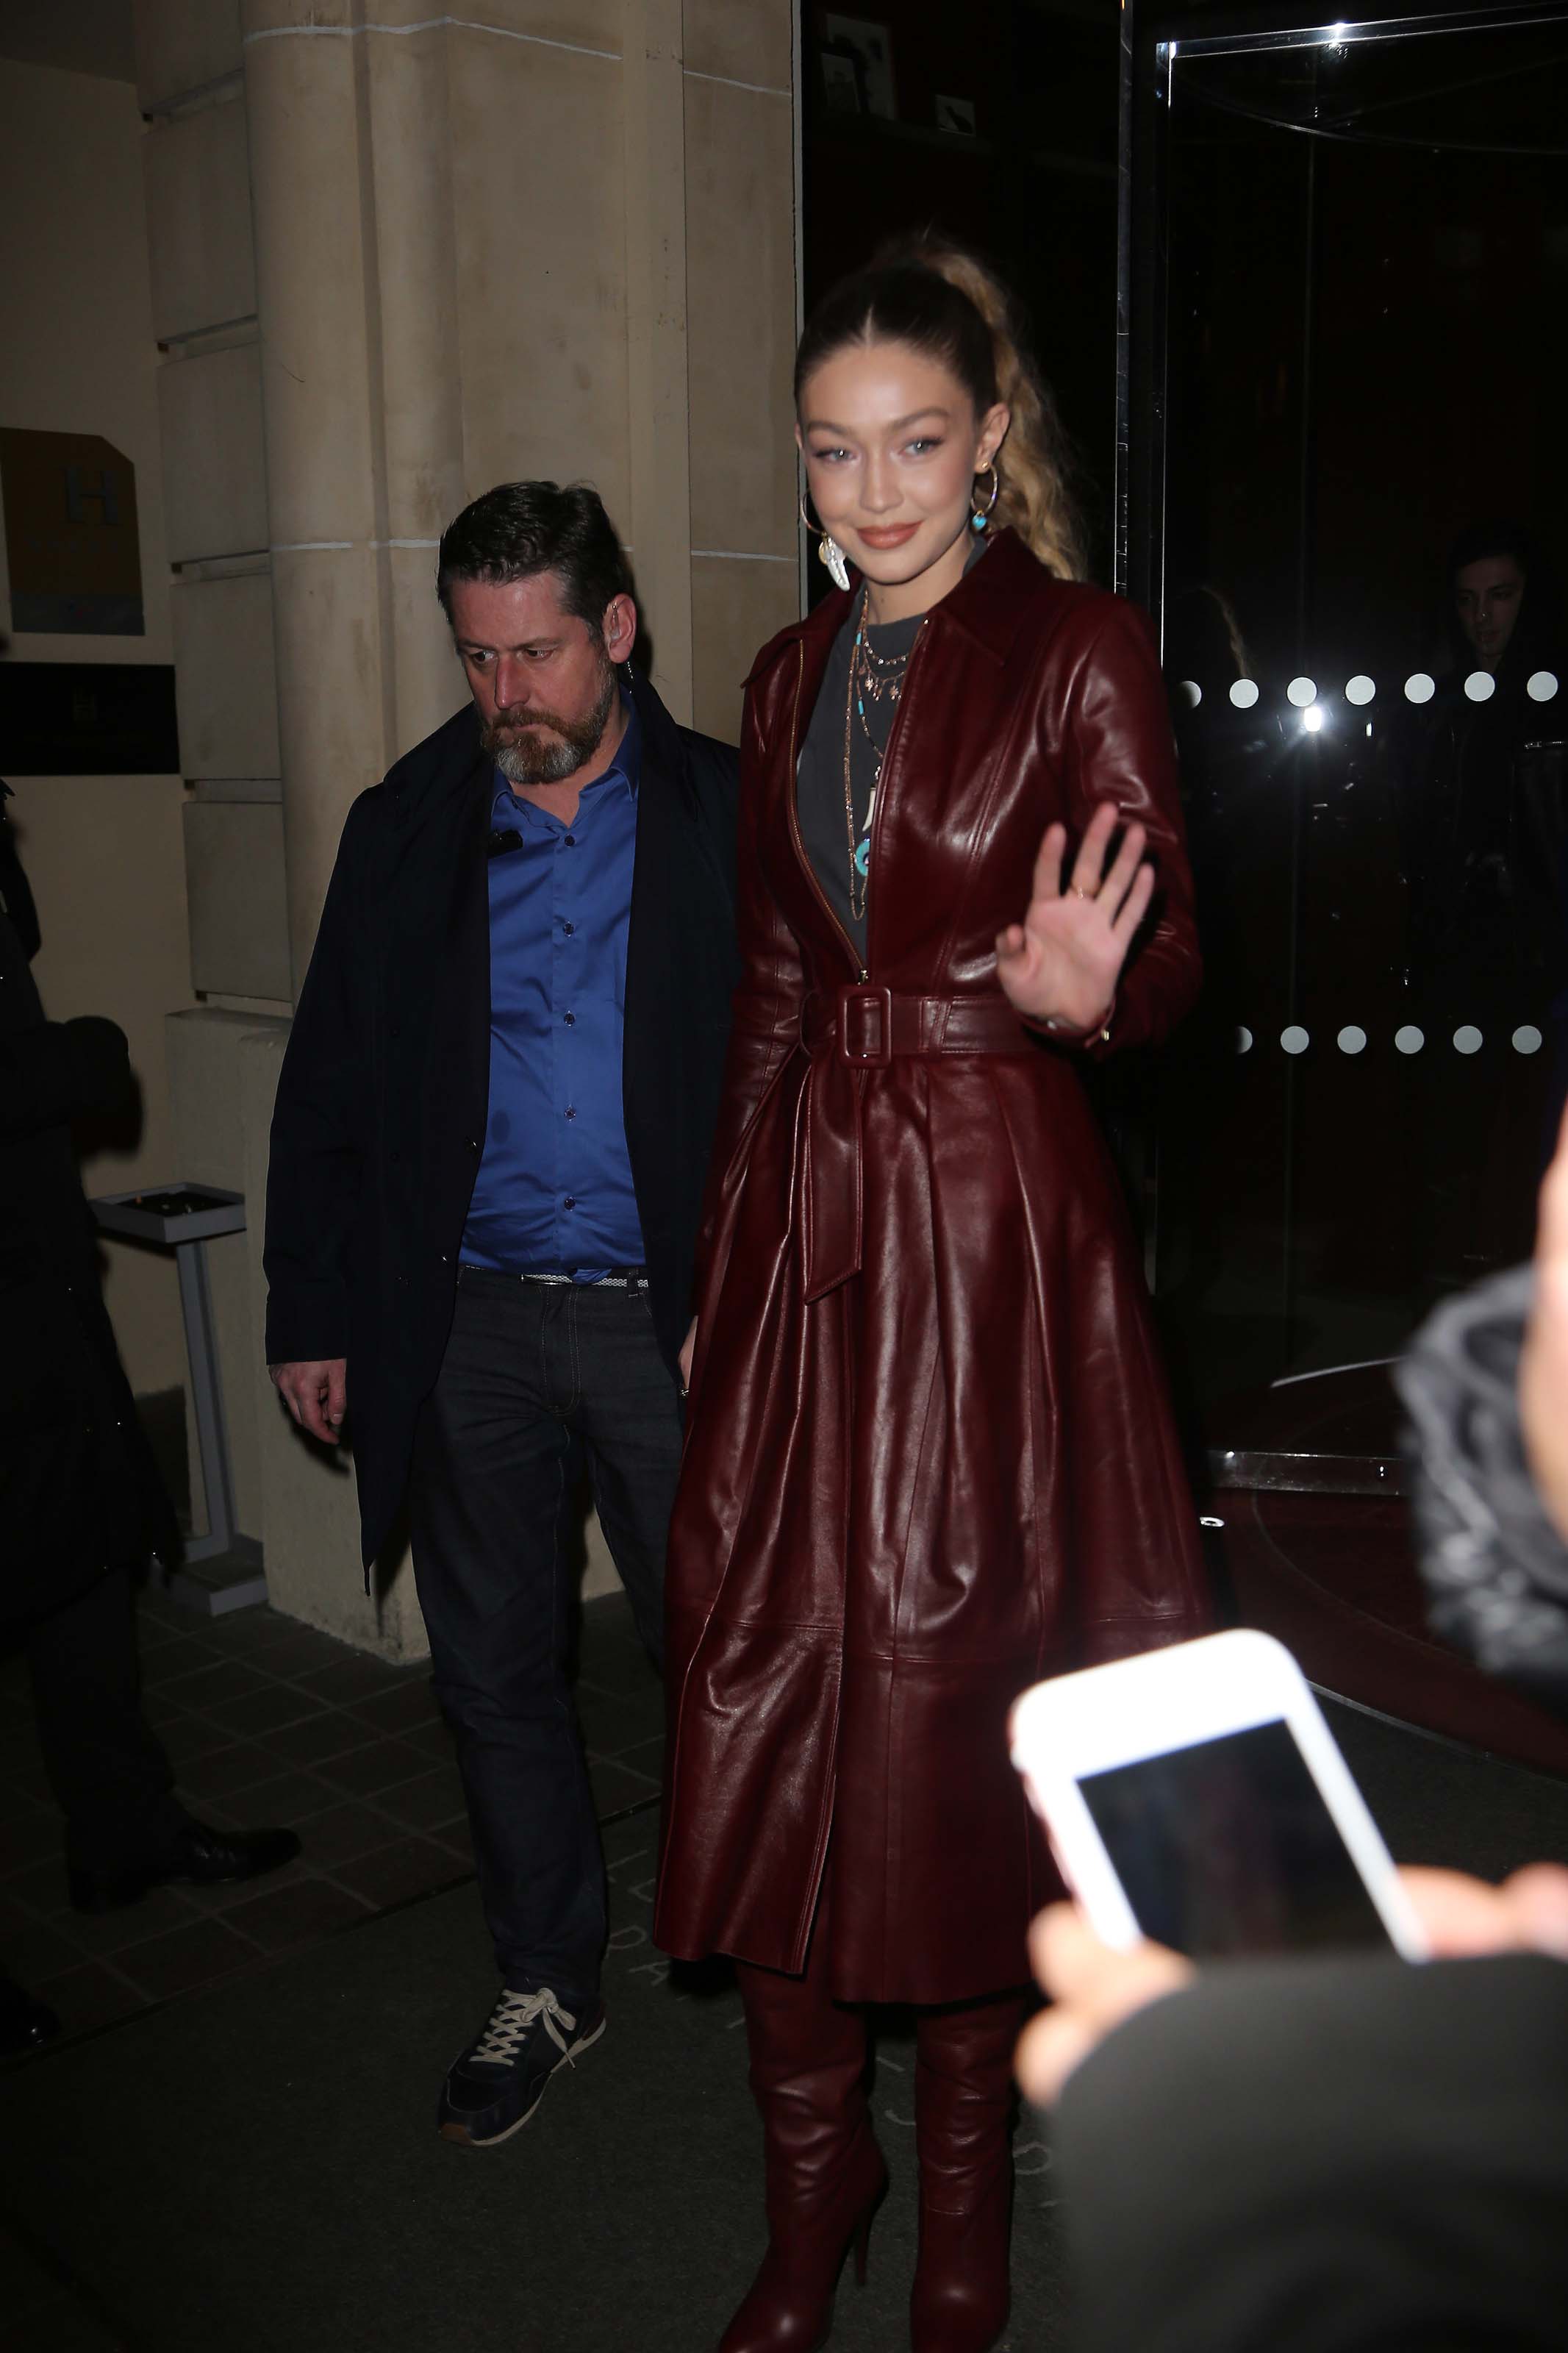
856 1006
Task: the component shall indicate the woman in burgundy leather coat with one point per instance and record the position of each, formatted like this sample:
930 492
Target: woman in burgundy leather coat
929 1455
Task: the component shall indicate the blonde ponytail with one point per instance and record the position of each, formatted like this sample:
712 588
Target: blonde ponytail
1033 465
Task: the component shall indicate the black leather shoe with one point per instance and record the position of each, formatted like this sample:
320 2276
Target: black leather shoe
495 2084
24 2024
196 1856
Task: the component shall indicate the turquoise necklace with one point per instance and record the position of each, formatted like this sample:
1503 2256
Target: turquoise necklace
875 678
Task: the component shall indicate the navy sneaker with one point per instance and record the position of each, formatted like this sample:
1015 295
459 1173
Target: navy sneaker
494 2087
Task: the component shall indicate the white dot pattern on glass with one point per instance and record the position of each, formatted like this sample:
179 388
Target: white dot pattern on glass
1302 691
1244 693
1191 692
1480 686
1540 685
1419 687
1360 689
1410 1039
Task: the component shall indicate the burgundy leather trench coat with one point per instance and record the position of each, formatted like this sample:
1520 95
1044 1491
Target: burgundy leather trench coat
930 1456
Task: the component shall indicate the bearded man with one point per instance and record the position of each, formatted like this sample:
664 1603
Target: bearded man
489 1149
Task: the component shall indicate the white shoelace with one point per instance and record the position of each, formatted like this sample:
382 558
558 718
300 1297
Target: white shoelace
514 2019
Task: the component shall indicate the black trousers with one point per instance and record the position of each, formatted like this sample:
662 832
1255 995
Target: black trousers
108 1772
539 1382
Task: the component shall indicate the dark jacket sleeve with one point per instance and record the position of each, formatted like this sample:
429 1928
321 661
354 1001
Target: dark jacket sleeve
60 1071
320 1130
1313 2157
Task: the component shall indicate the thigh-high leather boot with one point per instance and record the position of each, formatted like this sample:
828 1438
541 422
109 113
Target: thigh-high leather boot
825 2172
964 2133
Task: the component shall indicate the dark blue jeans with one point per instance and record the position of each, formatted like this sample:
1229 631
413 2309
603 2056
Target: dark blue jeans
539 1382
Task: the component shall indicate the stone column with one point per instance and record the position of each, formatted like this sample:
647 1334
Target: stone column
741 327
420 362
310 181
660 519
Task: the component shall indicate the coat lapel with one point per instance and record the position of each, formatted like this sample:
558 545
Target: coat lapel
671 842
460 1017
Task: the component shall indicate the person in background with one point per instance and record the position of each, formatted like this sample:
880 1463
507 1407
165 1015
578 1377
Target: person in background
931 1452
82 1509
491 1132
1482 793
1349 2155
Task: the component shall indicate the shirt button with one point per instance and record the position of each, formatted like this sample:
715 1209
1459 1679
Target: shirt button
571 1111
569 1203
571 1020
571 841
568 929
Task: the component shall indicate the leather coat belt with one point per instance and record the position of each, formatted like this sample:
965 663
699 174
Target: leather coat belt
848 1033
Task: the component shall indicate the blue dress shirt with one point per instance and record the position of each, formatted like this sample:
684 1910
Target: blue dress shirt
555 1189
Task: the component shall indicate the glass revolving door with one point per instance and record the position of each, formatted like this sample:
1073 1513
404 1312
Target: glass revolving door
1345 488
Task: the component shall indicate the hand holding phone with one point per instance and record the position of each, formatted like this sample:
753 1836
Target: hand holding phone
1195 1796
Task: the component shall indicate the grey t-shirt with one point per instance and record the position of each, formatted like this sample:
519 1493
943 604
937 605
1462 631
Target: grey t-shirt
834 836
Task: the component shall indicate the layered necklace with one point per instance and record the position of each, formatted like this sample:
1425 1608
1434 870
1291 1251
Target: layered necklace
876 683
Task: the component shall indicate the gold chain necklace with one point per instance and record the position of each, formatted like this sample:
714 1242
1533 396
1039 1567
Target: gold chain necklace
874 675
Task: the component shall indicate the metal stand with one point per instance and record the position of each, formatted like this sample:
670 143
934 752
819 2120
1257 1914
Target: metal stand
221 1571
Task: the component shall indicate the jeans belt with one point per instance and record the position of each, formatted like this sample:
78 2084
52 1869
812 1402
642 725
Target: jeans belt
848 1032
622 1278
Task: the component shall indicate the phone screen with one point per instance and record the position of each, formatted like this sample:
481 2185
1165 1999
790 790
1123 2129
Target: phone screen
1226 1847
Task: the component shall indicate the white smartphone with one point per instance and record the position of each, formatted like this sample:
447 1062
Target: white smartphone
1196 1795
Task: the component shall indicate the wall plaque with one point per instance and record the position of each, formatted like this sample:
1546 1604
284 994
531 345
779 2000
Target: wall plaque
72 543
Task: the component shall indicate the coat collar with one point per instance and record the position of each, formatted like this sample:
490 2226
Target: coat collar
988 607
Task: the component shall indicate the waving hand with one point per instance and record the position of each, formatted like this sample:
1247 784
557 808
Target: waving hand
1061 964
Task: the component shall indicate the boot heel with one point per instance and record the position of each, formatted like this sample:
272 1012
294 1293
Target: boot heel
863 2240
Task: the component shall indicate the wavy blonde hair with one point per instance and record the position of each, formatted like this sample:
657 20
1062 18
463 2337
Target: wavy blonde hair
941 299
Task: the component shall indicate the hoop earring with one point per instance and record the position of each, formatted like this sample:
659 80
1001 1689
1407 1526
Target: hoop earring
980 516
828 551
